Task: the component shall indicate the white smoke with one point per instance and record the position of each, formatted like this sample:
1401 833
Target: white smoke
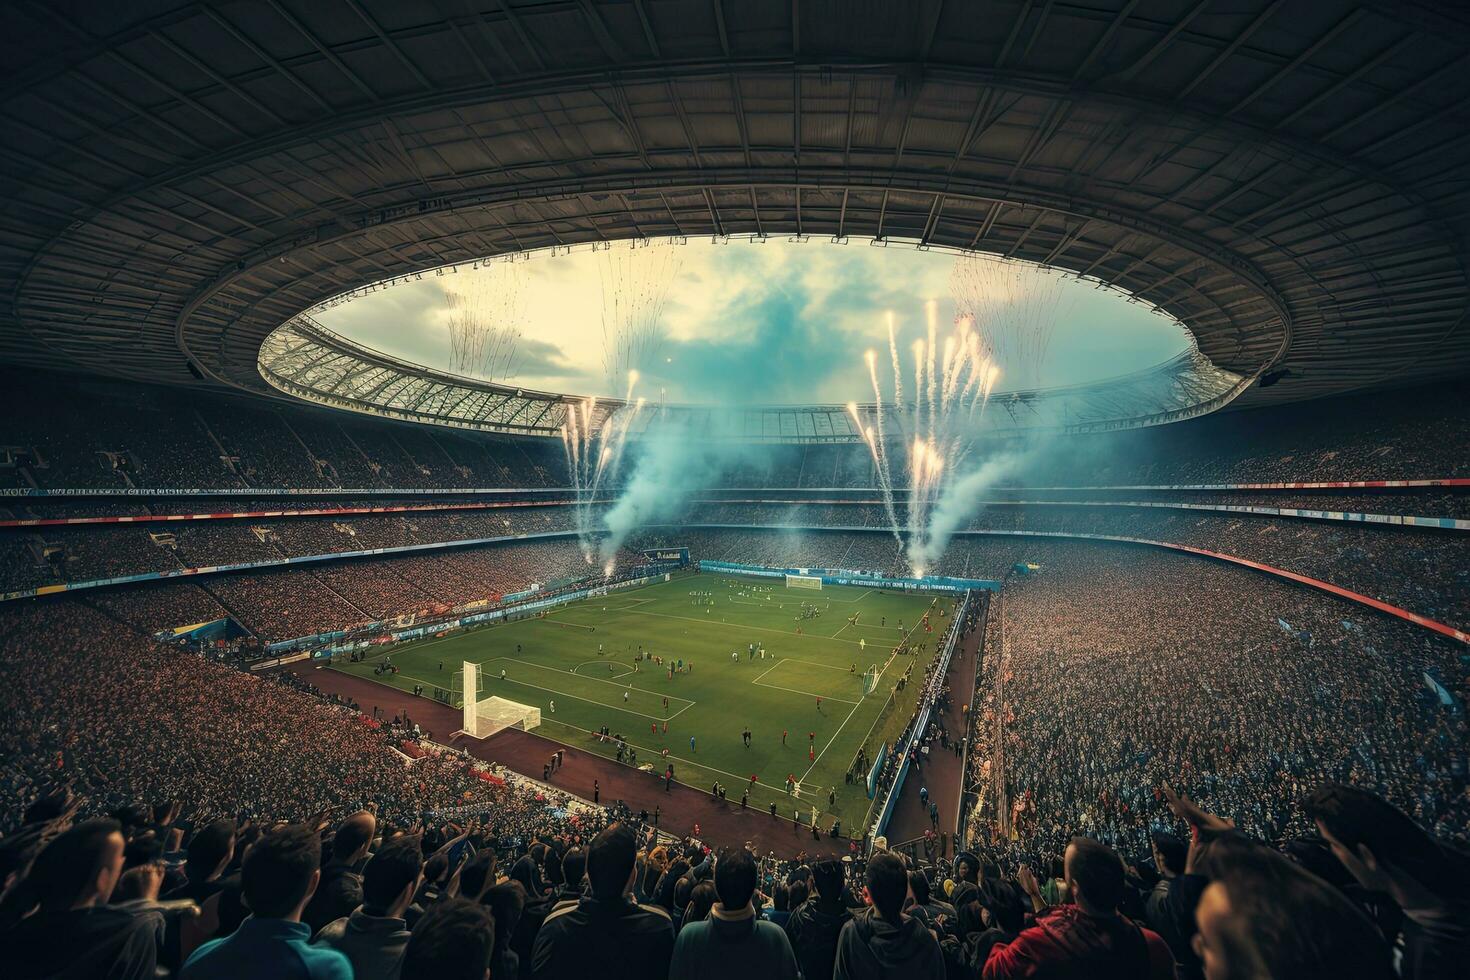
957 503
671 462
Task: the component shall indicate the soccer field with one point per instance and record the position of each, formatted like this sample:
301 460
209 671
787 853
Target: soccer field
583 657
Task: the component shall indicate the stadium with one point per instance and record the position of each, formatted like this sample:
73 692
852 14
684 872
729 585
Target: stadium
645 488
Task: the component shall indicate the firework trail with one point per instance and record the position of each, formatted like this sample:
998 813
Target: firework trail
952 382
485 319
594 441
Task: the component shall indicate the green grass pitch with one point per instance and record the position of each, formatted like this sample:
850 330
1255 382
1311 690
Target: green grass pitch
557 659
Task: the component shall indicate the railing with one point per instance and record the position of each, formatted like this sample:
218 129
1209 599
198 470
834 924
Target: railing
919 724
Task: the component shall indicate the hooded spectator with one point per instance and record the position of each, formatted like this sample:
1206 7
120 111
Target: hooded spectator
815 925
374 935
340 890
882 943
507 901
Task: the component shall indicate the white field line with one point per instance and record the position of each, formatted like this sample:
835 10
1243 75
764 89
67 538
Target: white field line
597 680
573 697
818 759
810 694
576 670
891 658
762 629
656 756
769 669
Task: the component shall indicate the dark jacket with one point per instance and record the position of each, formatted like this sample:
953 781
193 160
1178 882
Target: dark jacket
374 943
337 894
1068 943
872 948
813 929
736 946
609 939
83 943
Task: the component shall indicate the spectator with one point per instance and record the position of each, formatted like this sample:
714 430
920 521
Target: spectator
702 899
606 934
74 933
574 873
1263 916
280 874
1087 938
374 935
882 943
780 910
733 943
1388 853
1169 853
453 941
815 925
507 902
340 890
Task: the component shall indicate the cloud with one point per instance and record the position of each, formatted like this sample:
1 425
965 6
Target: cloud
775 323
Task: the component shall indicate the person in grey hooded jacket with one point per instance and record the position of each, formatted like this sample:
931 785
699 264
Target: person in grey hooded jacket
374 935
883 943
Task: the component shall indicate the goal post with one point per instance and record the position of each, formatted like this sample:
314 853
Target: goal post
484 717
804 582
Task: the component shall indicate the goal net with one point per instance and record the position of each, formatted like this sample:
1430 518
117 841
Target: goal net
484 717
804 582
870 679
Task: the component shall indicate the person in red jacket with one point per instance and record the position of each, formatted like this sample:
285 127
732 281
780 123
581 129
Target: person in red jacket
1088 938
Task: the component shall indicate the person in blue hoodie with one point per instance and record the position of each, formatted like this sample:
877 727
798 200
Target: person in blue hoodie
881 942
733 942
278 878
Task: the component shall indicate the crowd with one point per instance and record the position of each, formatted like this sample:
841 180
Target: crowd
148 891
136 436
1112 670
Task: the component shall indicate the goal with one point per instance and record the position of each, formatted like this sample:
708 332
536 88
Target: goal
804 582
484 717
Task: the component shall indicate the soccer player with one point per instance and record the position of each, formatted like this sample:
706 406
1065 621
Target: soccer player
691 744
625 697
819 704
553 707
783 736
502 673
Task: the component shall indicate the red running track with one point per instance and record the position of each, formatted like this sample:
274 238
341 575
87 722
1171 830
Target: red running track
681 807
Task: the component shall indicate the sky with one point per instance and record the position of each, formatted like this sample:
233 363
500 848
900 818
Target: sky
774 323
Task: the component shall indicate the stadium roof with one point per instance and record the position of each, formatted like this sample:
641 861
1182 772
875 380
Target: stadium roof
1286 177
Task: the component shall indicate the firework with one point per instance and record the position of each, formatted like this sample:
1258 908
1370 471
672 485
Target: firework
1015 307
635 284
953 378
486 315
594 441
